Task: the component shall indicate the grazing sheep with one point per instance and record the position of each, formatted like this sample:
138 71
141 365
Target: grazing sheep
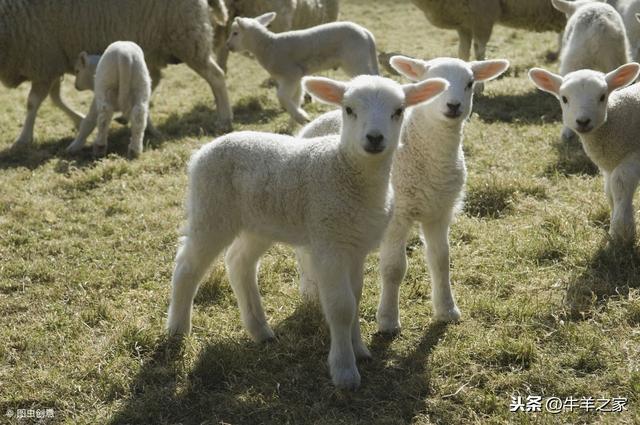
290 55
330 195
40 40
474 19
606 120
291 15
428 176
121 82
594 38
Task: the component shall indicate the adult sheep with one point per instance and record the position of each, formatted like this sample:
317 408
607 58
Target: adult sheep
474 19
290 15
40 40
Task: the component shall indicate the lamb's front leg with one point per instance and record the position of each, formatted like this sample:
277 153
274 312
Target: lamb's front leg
308 281
87 125
339 307
287 90
436 237
622 184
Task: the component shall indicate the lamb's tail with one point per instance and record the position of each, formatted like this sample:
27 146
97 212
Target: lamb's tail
219 12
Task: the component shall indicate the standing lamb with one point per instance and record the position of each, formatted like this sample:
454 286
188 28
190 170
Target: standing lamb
428 177
291 15
289 56
40 40
474 19
251 189
120 81
594 38
606 120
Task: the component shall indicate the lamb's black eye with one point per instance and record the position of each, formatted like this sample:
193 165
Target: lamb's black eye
470 84
348 110
398 113
602 98
564 99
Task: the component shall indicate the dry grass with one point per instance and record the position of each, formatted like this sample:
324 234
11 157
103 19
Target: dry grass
87 246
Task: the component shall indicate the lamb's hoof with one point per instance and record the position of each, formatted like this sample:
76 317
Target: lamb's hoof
133 153
74 148
361 351
99 150
346 378
451 315
388 326
178 330
262 333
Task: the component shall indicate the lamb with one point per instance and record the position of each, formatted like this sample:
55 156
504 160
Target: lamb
40 40
329 195
291 15
121 82
605 116
474 19
428 177
594 38
289 56
628 10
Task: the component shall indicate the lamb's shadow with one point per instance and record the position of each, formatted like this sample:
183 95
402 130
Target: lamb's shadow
238 381
611 272
532 107
571 159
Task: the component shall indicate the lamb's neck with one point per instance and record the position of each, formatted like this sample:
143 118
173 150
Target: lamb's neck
367 177
424 134
260 44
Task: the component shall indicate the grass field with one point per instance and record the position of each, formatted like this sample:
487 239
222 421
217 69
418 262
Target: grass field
87 247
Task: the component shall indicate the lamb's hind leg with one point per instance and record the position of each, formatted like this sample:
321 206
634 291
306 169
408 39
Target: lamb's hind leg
87 125
194 257
393 266
242 264
37 95
339 307
54 93
357 279
622 184
139 116
436 236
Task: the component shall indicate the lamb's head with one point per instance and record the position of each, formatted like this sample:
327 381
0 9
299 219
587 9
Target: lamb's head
85 70
584 94
570 7
372 109
241 29
455 104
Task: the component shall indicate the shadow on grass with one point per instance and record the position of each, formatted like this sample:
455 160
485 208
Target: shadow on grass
571 160
532 108
612 270
285 381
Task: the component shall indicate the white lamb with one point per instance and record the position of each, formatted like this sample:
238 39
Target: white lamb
607 122
121 82
428 177
594 38
331 195
288 56
628 10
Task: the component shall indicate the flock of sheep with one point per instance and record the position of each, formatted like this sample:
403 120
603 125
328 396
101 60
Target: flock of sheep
388 156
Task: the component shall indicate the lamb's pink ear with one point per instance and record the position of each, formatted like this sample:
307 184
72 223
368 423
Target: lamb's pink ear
413 69
564 6
545 80
324 89
266 18
424 90
622 76
488 70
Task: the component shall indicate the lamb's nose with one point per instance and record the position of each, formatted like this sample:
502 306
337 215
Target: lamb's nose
454 107
583 122
375 139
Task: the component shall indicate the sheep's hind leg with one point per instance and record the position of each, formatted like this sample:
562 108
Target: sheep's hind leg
436 237
212 73
464 44
393 266
622 184
242 263
54 92
308 282
105 114
37 95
